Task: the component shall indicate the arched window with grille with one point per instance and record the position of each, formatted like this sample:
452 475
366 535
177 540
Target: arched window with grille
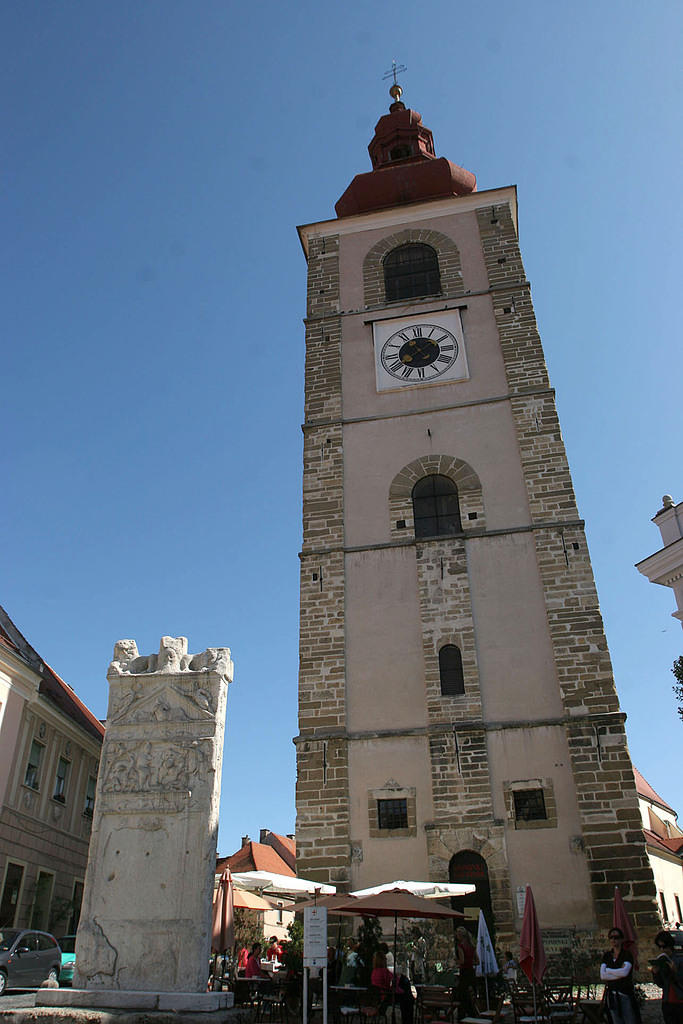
410 271
436 509
450 671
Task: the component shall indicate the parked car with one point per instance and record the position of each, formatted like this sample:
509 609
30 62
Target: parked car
27 958
67 944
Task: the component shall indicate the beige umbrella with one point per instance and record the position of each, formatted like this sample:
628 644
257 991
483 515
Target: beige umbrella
250 901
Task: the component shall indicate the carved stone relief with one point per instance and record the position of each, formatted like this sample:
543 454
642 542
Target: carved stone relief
153 842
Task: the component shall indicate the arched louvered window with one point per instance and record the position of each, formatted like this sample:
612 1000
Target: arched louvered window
410 271
436 508
450 671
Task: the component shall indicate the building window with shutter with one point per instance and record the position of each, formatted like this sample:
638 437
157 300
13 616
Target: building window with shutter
90 796
61 779
35 758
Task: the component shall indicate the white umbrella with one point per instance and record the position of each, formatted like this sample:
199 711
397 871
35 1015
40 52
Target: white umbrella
428 890
279 885
488 963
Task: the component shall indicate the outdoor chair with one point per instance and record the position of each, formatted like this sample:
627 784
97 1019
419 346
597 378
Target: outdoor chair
340 1008
491 1016
435 1003
526 1010
590 1010
373 1004
562 1006
271 1007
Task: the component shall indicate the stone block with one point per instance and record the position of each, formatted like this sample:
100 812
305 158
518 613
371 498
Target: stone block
146 914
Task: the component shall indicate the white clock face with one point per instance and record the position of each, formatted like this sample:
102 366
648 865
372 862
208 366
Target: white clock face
419 352
423 350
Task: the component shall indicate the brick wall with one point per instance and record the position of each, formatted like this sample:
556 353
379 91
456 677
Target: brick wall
322 798
603 775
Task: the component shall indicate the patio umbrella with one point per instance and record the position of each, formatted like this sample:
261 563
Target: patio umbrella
396 903
428 890
621 920
531 951
242 900
271 883
222 922
331 902
488 965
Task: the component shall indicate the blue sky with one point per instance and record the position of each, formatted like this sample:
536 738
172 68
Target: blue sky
158 155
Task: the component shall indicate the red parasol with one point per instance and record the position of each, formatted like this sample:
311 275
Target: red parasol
531 951
222 922
621 920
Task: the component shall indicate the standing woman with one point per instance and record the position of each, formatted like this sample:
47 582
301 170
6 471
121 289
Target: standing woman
616 970
467 961
667 972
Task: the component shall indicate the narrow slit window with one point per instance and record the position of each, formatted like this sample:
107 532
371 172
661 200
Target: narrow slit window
450 671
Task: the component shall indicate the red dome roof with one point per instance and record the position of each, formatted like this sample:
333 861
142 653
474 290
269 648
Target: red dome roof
405 167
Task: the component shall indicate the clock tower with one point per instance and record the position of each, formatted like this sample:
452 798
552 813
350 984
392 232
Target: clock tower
458 718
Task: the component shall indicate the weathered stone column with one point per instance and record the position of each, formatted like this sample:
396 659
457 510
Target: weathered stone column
146 917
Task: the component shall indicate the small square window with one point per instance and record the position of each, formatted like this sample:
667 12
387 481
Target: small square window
392 813
529 805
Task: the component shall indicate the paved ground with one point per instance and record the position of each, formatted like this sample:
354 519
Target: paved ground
17 997
651 1009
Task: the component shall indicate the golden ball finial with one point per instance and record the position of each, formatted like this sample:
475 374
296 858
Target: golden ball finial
396 92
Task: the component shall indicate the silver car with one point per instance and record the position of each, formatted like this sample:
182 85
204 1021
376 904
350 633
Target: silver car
27 958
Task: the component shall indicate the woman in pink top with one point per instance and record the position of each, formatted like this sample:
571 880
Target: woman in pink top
253 969
383 979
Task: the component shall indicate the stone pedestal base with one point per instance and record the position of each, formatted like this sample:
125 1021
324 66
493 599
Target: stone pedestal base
104 999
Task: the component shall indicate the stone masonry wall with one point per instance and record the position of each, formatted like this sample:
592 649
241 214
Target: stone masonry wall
322 798
603 775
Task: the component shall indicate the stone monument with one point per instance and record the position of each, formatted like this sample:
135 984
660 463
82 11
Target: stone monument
145 923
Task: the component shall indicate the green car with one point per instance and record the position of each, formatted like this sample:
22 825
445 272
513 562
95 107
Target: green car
67 944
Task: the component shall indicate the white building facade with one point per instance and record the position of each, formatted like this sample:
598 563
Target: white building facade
50 747
666 565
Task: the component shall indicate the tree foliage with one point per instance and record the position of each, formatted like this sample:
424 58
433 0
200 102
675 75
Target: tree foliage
248 927
678 685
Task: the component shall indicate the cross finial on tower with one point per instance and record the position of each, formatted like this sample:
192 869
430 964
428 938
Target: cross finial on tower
396 69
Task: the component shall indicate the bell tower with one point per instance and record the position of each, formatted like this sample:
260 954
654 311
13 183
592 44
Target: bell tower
458 717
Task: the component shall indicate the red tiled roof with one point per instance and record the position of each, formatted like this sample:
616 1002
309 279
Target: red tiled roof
66 699
51 685
4 639
255 857
285 847
645 790
674 845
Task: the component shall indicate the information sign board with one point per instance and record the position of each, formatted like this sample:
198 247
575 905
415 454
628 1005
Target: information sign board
315 936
